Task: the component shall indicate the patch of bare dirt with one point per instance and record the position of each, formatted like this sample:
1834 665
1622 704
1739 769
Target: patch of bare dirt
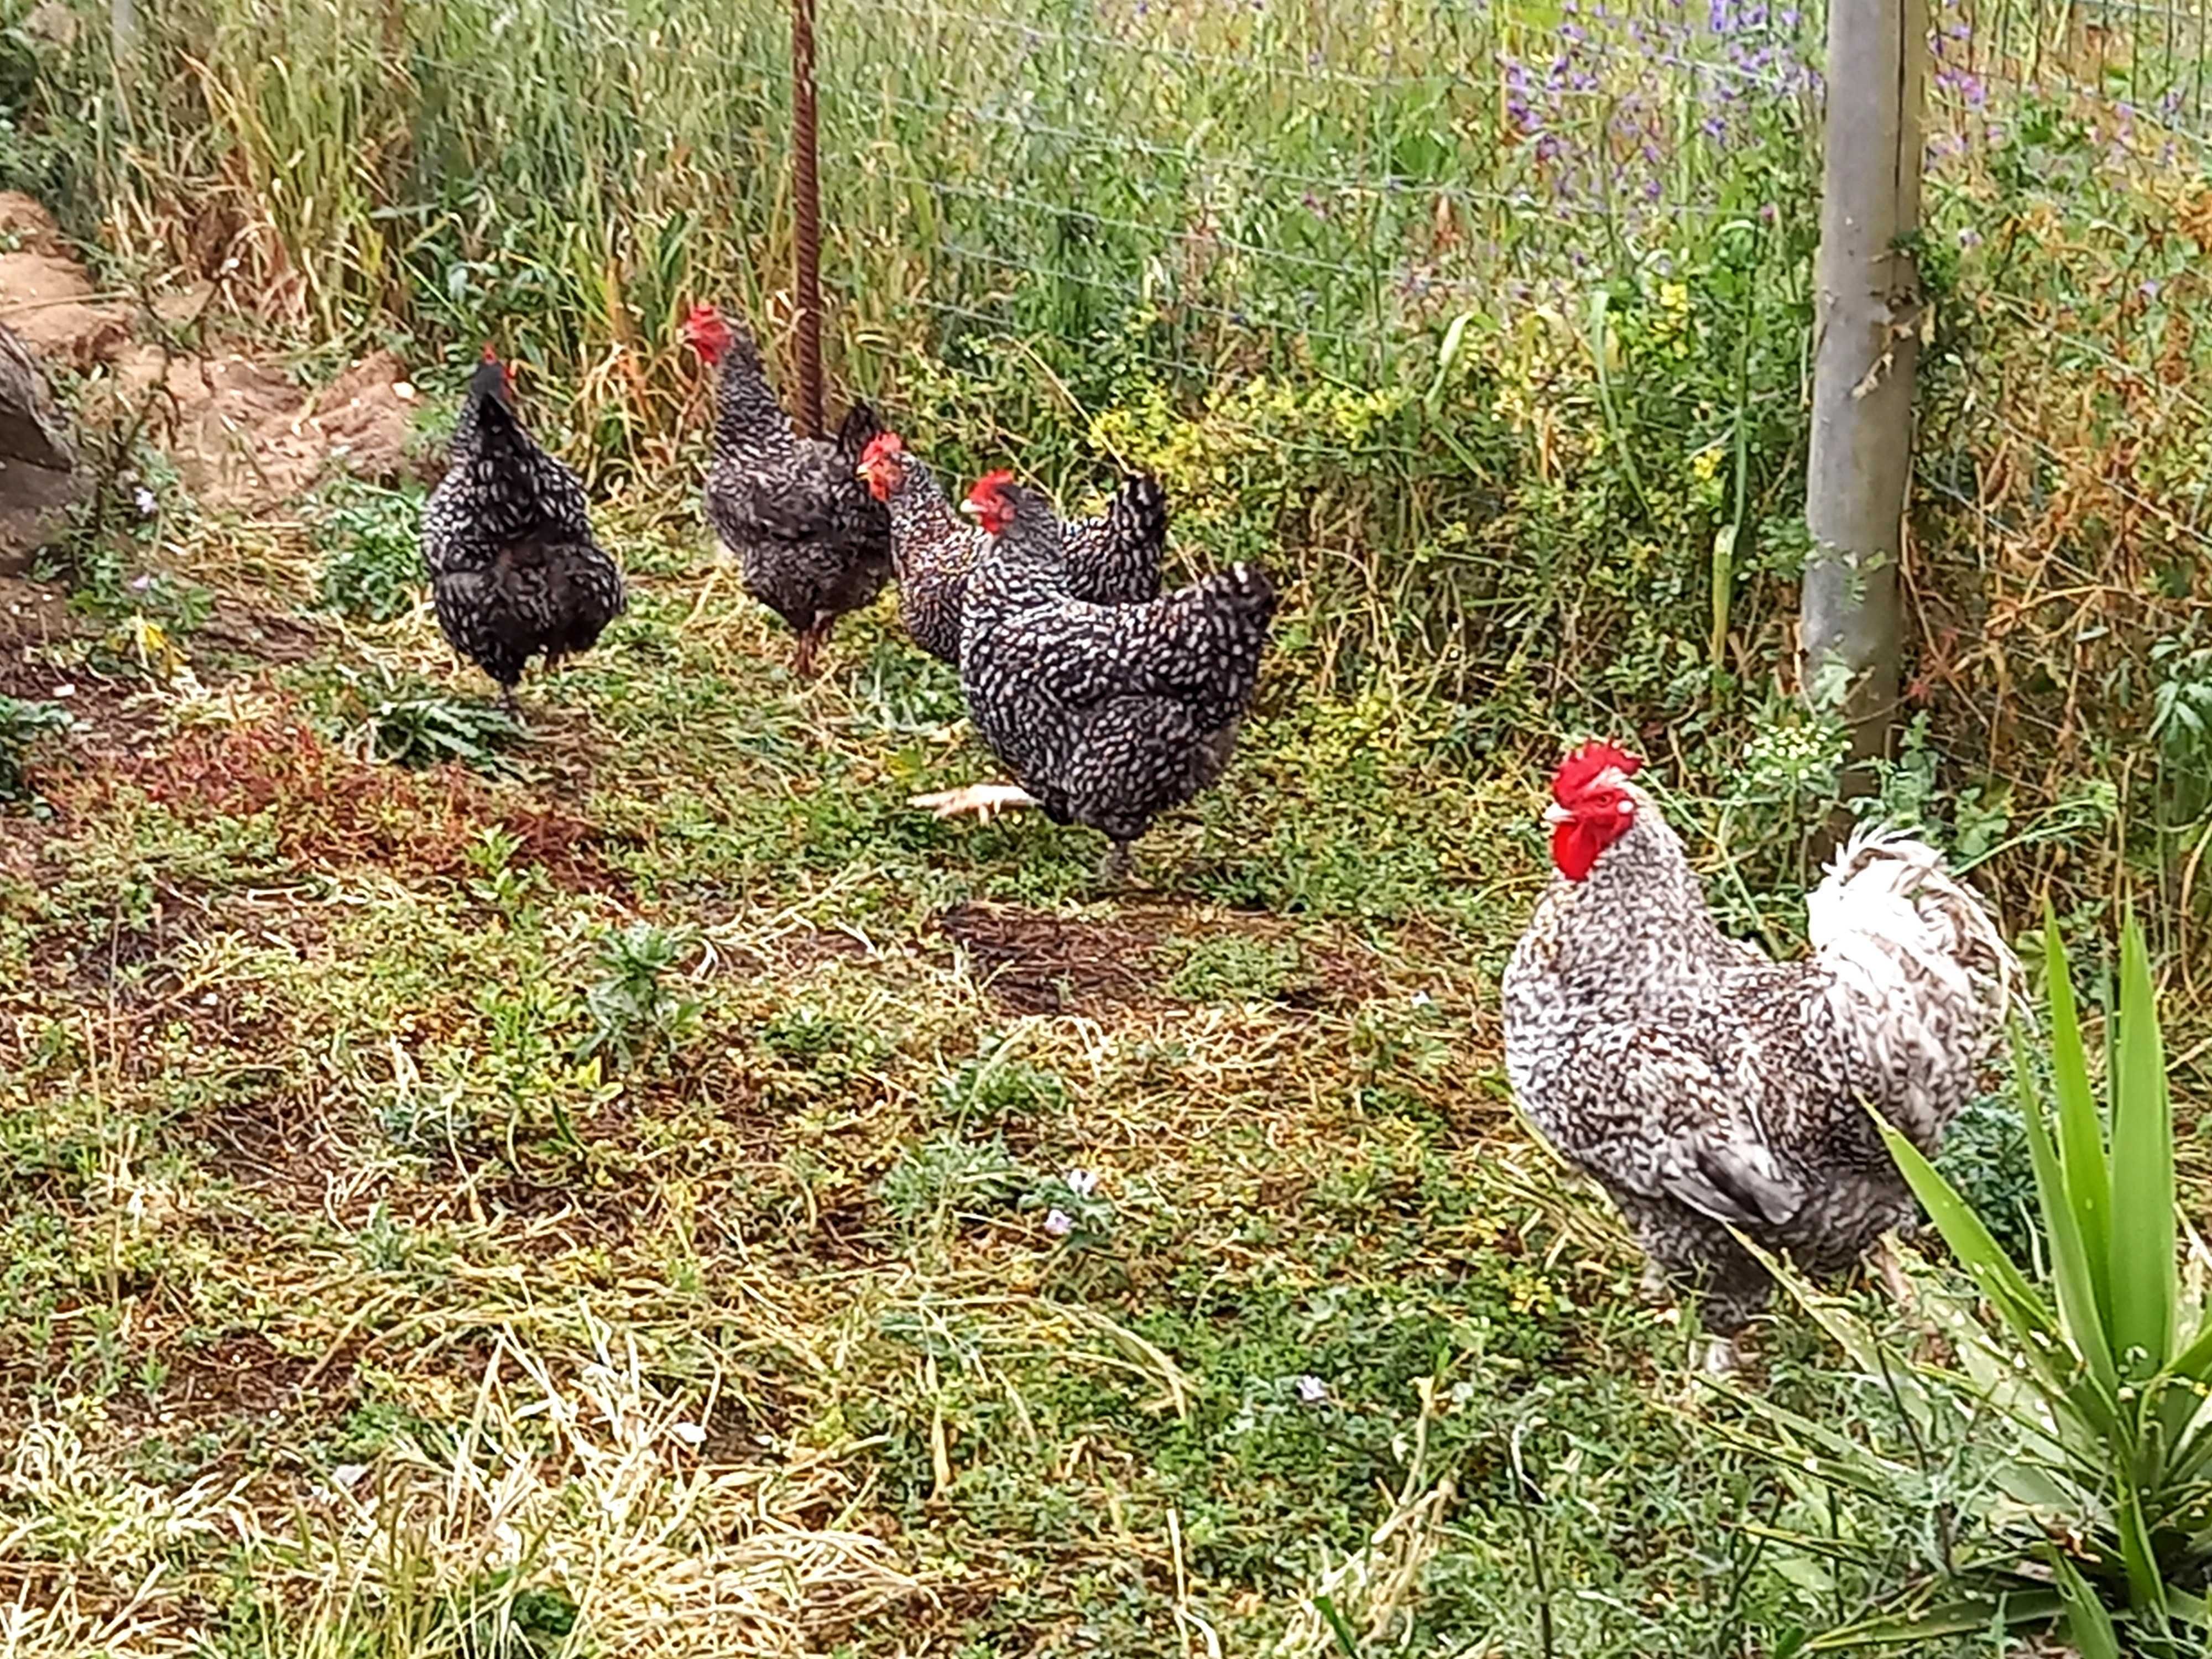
1037 963
33 617
40 638
25 221
243 1372
52 306
243 437
1041 964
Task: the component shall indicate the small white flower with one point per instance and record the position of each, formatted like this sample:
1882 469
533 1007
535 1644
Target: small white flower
65 689
348 1475
689 1433
146 501
1058 1223
140 584
1422 999
1312 1390
1081 1183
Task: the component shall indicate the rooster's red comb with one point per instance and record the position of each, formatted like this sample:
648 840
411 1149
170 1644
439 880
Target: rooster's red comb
883 445
1582 768
705 330
987 488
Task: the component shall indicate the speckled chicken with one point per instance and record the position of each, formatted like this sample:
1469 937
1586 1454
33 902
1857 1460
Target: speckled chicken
1704 1085
1108 715
810 542
515 569
1112 559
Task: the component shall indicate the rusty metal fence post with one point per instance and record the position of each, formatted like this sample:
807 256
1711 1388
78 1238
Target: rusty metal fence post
806 213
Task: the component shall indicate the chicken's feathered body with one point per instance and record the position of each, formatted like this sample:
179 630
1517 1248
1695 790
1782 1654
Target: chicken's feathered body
507 538
1704 1085
810 542
1109 715
1112 559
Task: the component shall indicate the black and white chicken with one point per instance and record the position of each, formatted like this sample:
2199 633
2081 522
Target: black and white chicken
810 542
507 538
1106 714
1707 1087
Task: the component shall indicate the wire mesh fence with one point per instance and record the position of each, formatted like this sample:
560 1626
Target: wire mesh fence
1252 234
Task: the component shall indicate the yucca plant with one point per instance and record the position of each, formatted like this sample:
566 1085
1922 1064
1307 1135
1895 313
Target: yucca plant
2068 1449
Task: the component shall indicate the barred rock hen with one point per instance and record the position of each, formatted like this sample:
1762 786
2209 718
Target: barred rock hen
1109 715
810 542
507 541
1112 559
1703 1085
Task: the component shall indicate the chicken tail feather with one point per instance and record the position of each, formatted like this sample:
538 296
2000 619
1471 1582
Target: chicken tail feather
1138 515
1923 975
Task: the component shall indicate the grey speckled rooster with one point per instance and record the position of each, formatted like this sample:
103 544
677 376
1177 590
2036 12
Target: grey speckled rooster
513 567
1108 715
1705 1087
810 542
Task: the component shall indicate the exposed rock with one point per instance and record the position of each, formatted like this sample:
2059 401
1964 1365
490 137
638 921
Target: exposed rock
28 430
242 435
37 476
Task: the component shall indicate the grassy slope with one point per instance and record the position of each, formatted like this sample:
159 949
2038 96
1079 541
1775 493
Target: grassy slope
349 1307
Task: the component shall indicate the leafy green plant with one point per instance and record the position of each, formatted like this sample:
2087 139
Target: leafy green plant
2082 1498
22 724
1986 1157
995 1087
411 724
1233 968
496 880
372 565
945 1176
633 1011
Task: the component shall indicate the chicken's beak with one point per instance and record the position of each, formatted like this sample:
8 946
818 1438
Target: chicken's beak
1556 813
971 509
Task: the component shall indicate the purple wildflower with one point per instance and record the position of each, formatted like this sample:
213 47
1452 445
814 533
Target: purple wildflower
1312 1390
1058 1223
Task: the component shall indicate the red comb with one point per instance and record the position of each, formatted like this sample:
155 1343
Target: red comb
989 486
1580 769
706 332
490 355
883 444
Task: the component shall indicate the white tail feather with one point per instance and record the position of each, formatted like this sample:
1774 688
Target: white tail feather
1886 887
1921 968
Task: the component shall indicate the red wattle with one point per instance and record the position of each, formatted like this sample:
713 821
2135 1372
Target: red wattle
1573 852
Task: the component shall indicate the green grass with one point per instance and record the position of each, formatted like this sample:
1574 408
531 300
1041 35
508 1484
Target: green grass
636 1185
450 1210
